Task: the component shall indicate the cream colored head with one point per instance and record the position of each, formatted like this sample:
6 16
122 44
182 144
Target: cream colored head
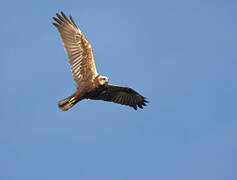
103 80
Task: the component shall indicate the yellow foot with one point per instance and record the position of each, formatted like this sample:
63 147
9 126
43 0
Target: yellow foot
72 100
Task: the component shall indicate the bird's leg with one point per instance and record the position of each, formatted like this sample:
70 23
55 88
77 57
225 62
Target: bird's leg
72 100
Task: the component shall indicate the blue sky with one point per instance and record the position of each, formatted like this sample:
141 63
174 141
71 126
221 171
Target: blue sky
181 55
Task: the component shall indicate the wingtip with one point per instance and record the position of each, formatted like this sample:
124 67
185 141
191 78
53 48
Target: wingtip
135 107
56 25
70 16
145 100
62 13
63 19
142 103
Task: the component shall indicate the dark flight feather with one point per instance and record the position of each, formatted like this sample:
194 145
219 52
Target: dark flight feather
88 82
122 95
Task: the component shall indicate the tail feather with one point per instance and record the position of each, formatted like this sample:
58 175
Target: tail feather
67 103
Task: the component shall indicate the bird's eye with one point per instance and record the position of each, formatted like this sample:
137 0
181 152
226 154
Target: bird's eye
104 79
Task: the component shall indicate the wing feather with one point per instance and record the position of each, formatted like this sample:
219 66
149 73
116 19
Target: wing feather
122 95
77 47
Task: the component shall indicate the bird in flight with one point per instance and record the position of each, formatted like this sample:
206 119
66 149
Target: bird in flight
89 84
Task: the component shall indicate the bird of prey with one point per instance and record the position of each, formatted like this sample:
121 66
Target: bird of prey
89 84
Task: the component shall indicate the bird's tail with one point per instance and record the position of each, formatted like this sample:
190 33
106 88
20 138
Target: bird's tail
67 103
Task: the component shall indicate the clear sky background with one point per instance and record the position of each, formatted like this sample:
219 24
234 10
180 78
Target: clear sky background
181 55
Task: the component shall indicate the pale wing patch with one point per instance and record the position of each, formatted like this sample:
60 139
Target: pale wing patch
78 49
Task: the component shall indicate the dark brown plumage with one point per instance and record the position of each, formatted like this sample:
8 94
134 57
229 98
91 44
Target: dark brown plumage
89 84
121 95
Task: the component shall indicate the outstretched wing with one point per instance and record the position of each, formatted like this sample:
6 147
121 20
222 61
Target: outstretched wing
78 49
122 95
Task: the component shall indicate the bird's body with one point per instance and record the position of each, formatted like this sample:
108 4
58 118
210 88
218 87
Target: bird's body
89 84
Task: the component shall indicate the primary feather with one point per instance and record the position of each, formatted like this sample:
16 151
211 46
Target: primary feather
122 95
78 49
89 84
